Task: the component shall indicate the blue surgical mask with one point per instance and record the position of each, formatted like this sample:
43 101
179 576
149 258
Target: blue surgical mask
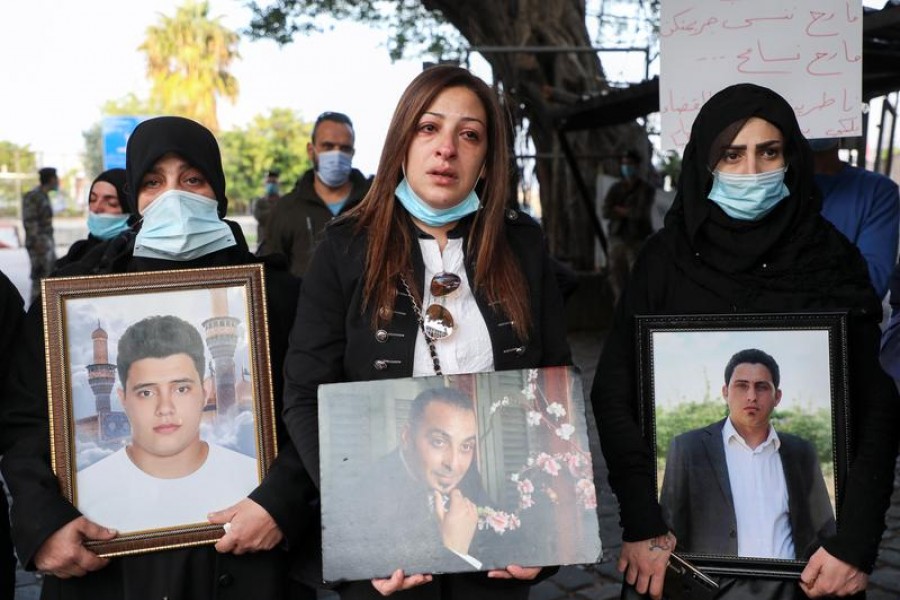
106 226
750 196
271 189
182 226
434 217
627 171
333 168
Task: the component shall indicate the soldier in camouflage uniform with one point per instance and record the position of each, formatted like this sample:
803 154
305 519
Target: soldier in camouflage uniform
37 218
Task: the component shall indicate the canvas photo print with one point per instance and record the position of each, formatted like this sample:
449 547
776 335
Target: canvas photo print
456 473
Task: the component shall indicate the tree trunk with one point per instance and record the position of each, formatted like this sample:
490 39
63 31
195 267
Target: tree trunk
533 85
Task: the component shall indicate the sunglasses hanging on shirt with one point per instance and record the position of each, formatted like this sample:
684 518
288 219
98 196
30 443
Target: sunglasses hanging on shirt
437 322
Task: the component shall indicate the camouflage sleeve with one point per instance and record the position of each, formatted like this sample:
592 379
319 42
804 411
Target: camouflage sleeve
37 219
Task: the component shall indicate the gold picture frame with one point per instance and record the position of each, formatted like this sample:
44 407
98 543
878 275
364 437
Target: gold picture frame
123 454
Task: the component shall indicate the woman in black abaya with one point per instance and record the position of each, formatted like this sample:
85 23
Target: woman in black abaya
173 170
750 244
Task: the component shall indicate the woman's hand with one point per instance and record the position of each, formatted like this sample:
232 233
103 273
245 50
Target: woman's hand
515 572
826 575
63 554
457 522
398 582
248 528
644 563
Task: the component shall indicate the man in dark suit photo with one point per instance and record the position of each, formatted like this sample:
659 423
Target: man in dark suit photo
426 493
739 488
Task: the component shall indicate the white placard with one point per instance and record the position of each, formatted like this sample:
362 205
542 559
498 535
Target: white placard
809 52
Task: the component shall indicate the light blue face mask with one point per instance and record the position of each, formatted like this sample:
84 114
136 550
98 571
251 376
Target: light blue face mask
333 168
182 226
434 217
106 226
628 171
750 196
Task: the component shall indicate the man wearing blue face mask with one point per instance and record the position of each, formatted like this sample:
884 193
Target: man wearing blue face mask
627 207
330 188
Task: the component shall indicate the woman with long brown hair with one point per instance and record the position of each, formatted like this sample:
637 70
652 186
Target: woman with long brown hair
430 274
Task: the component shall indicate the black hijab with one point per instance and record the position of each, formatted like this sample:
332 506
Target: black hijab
188 139
149 142
792 250
116 178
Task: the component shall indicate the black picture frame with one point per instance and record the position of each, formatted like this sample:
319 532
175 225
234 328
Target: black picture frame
673 349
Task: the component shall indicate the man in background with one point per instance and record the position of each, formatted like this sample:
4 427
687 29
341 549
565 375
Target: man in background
262 209
330 188
863 205
627 207
37 219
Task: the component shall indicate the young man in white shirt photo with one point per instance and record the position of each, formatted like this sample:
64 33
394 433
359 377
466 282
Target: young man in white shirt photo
167 475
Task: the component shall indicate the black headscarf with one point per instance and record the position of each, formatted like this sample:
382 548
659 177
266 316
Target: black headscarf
148 143
116 178
792 250
188 139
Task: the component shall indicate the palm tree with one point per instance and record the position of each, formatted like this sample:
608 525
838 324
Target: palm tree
188 57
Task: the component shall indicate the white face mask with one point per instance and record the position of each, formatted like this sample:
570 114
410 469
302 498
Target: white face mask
182 226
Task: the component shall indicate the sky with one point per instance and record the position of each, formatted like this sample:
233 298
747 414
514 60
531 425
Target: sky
684 362
88 50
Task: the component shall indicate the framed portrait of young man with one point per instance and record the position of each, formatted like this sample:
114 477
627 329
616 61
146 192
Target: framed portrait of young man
748 419
456 473
160 399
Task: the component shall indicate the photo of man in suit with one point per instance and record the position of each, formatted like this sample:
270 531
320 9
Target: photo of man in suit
739 488
429 487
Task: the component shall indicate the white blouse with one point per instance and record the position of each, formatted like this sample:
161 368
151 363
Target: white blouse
468 349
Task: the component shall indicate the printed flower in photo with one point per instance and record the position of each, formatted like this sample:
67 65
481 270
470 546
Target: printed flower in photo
565 431
586 493
526 501
497 520
556 409
548 463
534 418
525 487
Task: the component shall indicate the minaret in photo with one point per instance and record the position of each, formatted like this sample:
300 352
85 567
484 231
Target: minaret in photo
101 374
221 339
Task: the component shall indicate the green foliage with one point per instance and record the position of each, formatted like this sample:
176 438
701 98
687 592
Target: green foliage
16 158
188 57
812 426
414 29
685 417
277 140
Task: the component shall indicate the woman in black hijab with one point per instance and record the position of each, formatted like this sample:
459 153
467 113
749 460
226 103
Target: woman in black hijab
174 174
109 214
750 244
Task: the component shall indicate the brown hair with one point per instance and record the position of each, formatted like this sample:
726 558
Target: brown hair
497 273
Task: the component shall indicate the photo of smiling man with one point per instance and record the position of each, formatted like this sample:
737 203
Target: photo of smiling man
166 475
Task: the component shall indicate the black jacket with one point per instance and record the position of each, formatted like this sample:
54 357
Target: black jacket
333 341
39 509
659 286
297 220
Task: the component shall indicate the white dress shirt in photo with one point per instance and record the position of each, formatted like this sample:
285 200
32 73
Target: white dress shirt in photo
760 495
